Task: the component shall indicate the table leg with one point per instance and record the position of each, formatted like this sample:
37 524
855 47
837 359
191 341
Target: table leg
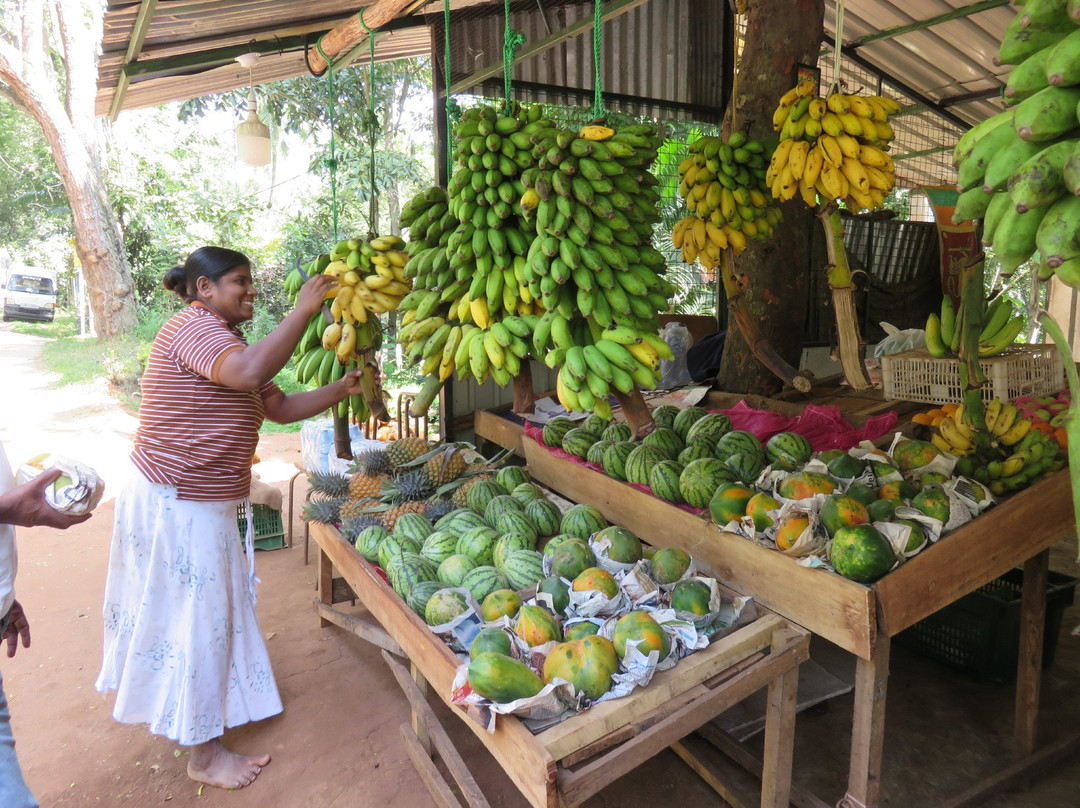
418 726
325 583
779 732
1029 665
288 539
868 730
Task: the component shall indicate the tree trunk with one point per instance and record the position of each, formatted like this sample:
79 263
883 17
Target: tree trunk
98 239
775 274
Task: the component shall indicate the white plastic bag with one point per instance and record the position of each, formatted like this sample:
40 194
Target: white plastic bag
673 372
898 340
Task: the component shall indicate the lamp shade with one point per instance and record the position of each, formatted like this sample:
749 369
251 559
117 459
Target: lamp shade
253 137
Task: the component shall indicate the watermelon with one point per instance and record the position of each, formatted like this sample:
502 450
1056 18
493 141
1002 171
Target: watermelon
700 479
618 432
499 505
445 521
555 429
479 544
712 426
439 546
746 465
516 522
510 477
739 442
481 493
368 541
614 461
524 568
508 543
460 521
686 419
695 451
408 570
664 416
484 580
595 454
413 526
577 442
664 480
666 440
420 594
545 516
861 553
788 451
526 493
443 606
394 545
571 558
596 424
559 590
582 521
453 570
640 462
553 543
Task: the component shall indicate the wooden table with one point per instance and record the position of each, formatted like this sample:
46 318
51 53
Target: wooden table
570 761
858 618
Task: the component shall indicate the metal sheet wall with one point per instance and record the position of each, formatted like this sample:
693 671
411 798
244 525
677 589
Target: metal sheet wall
467 397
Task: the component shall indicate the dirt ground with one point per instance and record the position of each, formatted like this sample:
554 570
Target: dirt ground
337 743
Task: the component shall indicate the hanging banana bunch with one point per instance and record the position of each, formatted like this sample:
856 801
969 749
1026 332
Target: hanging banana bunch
834 146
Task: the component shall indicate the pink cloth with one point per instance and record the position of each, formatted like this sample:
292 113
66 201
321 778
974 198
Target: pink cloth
824 427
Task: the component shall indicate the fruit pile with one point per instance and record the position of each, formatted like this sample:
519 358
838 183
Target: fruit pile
723 185
1047 414
1000 330
832 146
1019 171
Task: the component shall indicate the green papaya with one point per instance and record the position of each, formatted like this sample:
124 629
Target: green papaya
502 679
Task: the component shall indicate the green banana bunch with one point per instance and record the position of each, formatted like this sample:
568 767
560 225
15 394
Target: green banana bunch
1000 330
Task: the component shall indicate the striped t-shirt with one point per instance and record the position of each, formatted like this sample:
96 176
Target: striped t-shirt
194 433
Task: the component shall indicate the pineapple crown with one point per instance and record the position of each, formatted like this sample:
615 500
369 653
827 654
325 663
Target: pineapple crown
372 462
438 508
327 511
327 485
352 526
405 486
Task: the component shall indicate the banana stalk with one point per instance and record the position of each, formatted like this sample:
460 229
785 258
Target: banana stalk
852 348
1072 415
524 395
971 375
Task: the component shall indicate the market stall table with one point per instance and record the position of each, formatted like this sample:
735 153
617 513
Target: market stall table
857 618
568 762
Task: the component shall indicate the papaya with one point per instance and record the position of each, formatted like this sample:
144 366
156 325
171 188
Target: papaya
578 631
490 639
595 579
914 454
669 564
840 511
502 679
690 596
536 626
501 602
640 627
588 664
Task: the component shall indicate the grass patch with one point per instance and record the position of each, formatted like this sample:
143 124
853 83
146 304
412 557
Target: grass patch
64 325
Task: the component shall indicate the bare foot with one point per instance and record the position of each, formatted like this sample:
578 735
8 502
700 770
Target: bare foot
213 764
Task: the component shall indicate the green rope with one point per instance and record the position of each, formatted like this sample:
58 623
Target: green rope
448 101
598 92
372 123
332 162
512 40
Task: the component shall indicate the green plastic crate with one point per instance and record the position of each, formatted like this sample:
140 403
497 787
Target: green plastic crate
268 531
980 633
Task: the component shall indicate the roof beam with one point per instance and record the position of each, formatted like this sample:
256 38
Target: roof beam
967 98
348 58
930 22
210 58
138 36
348 34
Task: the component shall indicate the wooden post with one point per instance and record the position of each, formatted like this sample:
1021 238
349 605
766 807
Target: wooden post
636 412
524 395
779 730
868 730
759 346
843 296
325 583
351 32
1029 665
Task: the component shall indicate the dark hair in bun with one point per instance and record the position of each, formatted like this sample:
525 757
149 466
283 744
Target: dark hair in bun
209 262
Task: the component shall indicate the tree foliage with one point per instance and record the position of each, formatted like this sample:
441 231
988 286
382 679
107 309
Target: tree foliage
33 209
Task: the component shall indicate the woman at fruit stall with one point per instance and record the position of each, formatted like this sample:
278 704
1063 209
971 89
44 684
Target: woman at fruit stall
182 646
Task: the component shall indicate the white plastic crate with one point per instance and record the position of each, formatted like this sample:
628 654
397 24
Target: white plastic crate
1031 370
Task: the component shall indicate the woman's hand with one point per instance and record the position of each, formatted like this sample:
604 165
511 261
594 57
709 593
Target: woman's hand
350 382
313 293
18 627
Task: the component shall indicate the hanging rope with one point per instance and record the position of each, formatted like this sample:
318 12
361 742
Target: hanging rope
512 40
598 90
332 162
449 104
372 125
838 40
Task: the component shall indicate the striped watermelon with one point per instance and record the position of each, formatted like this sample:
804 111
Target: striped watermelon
481 493
640 462
552 544
712 426
664 480
582 521
596 424
524 568
577 442
414 526
368 541
500 505
443 606
408 569
618 432
666 440
453 570
788 450
545 516
439 546
508 544
393 545
420 594
516 522
746 465
526 493
739 442
695 451
615 459
700 479
459 517
664 416
510 477
479 544
484 580
686 419
555 429
596 451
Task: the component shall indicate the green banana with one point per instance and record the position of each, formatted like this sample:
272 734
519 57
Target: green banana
1062 64
1003 339
1028 77
1070 172
971 171
971 137
1039 181
1006 161
1018 42
934 342
997 315
1015 233
1058 237
1000 204
1047 114
947 319
971 204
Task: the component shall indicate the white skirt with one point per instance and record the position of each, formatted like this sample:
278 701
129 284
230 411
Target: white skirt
183 648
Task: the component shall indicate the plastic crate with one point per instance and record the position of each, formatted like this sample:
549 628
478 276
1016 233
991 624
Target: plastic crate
1023 370
980 633
269 533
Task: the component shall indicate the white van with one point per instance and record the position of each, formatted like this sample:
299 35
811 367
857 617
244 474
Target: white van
30 294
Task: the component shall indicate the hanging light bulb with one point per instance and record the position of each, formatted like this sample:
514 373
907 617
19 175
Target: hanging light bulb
252 135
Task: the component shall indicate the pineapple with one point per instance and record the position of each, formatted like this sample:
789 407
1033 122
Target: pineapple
327 486
438 508
351 526
362 486
444 467
372 463
405 450
407 486
391 515
327 511
356 506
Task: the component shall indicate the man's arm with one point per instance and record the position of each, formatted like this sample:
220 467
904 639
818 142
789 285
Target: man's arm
25 505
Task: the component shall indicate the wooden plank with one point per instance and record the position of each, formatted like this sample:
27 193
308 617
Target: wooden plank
354 30
498 430
418 727
325 584
430 775
868 727
371 632
840 610
1029 663
456 765
525 761
1020 527
722 776
341 591
780 730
